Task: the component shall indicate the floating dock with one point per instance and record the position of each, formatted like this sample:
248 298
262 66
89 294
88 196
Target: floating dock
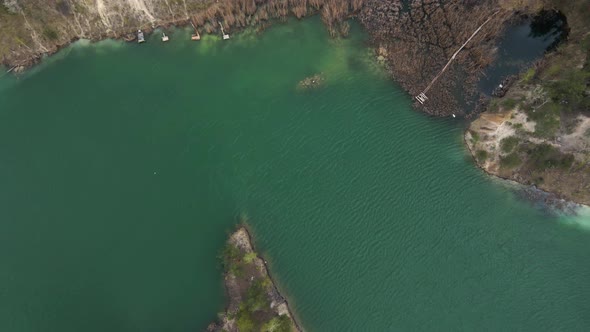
164 37
140 37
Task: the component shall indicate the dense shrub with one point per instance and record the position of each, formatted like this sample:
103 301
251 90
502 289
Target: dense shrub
528 76
509 103
510 161
544 156
508 144
547 120
481 155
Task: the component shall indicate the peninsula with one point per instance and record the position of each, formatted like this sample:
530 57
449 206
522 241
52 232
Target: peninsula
255 303
538 133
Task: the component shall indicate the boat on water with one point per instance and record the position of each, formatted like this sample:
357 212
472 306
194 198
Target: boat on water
164 37
140 37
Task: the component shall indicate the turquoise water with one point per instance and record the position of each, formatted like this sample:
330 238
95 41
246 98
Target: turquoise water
124 166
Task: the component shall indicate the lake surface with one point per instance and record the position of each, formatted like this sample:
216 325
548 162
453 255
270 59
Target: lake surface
123 167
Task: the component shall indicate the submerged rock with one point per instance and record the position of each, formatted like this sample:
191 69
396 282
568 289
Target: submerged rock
311 82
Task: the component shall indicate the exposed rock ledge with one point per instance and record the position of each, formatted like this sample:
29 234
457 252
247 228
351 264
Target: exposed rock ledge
255 303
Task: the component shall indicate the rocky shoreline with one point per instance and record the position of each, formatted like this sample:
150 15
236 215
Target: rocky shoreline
413 39
537 131
254 301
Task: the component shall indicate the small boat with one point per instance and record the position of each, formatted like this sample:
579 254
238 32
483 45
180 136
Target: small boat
164 37
140 37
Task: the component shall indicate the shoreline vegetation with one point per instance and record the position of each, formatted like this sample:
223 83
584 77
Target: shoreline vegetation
547 145
538 132
414 39
255 303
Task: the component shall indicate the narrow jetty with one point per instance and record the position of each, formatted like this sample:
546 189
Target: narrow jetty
255 303
140 37
225 36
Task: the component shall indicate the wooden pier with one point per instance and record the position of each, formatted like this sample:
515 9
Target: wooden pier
422 98
225 36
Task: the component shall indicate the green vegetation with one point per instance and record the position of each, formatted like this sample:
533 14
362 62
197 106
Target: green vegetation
546 119
509 103
510 161
474 137
509 143
277 324
570 89
587 133
230 258
50 33
254 286
494 106
544 156
249 257
254 306
481 155
3 9
553 70
528 76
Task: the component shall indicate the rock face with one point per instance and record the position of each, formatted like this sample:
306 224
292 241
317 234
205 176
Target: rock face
255 303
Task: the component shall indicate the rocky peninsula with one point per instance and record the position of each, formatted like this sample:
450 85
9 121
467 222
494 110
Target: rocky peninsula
255 303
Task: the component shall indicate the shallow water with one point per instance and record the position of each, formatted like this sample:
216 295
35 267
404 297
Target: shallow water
519 48
124 166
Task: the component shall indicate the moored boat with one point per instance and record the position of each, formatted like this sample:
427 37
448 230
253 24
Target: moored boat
140 37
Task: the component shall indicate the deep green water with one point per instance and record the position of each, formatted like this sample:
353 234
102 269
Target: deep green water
123 167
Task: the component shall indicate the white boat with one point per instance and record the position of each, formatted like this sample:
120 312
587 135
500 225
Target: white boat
164 37
140 37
